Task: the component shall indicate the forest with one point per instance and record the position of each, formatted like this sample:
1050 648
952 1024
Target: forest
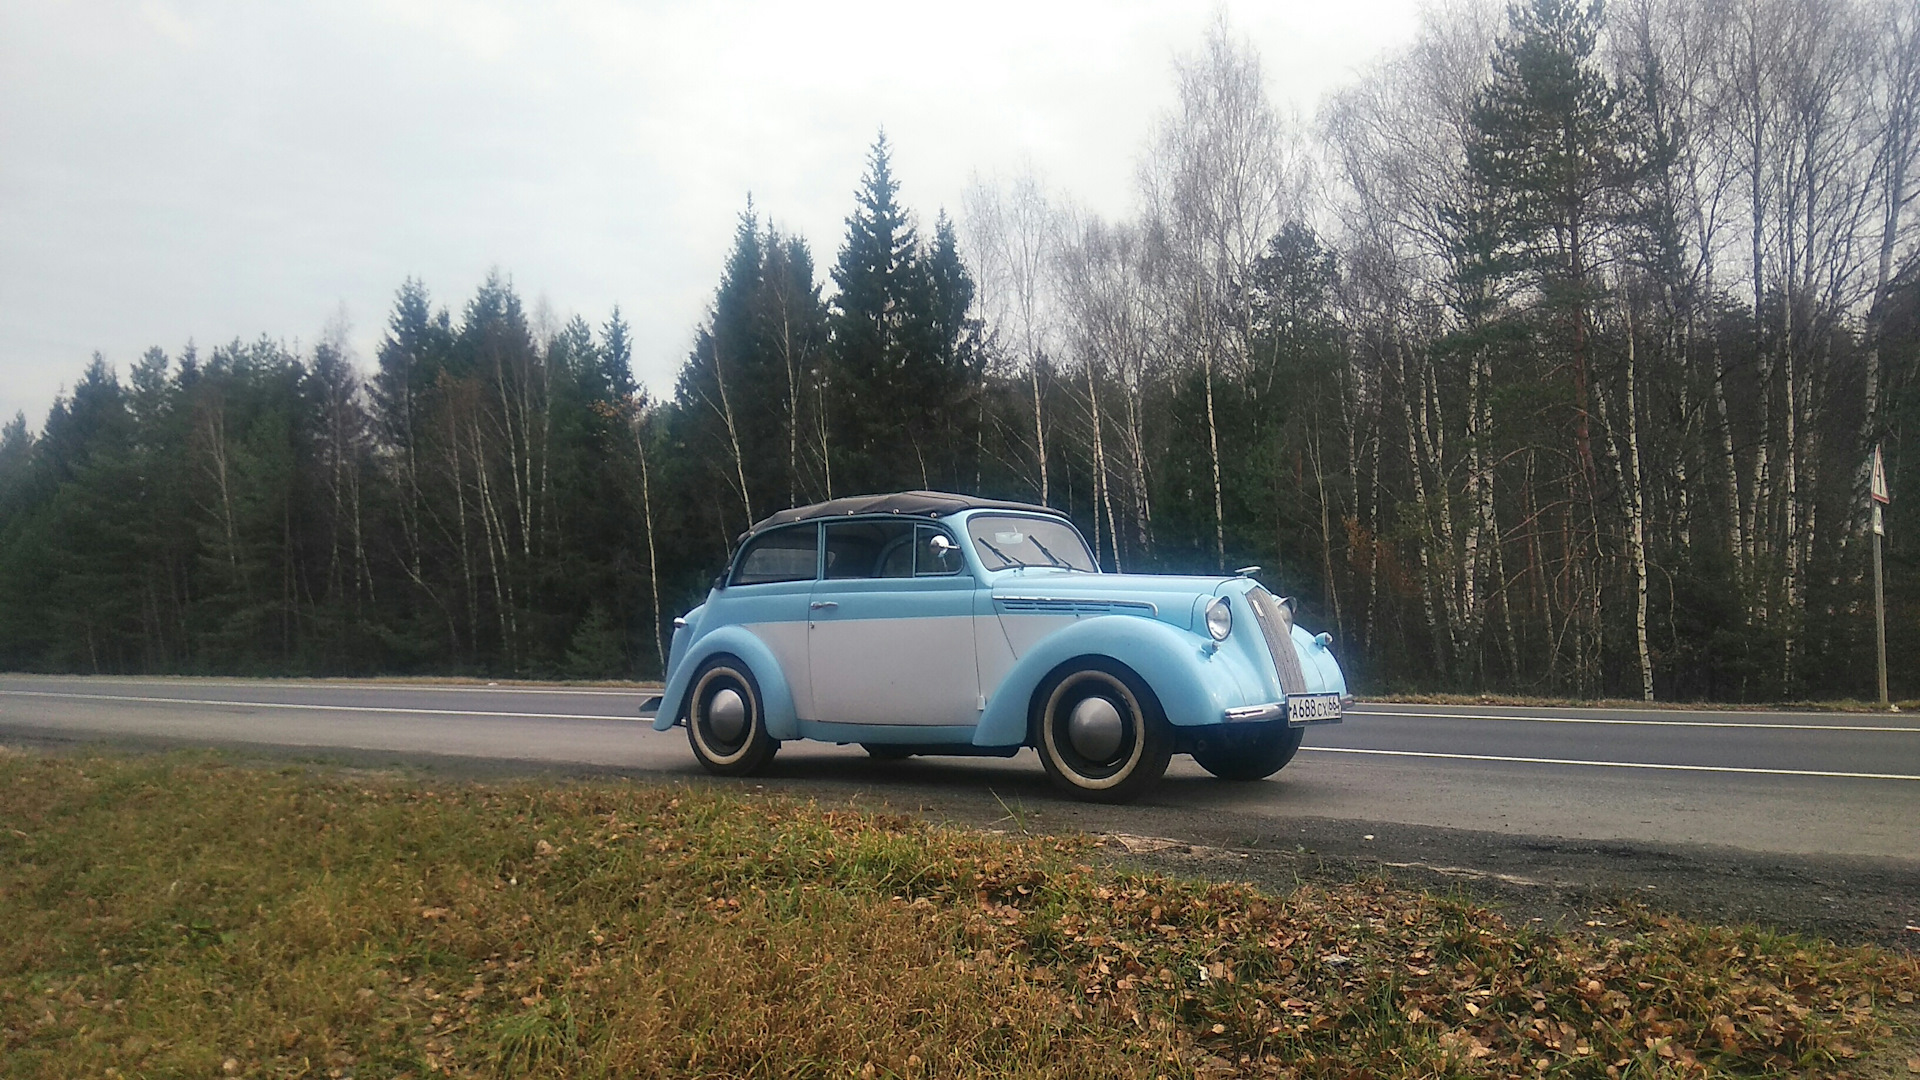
1546 357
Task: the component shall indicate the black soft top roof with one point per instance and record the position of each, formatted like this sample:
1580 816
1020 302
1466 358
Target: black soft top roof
917 503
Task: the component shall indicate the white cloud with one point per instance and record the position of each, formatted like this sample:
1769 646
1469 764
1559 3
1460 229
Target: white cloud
217 170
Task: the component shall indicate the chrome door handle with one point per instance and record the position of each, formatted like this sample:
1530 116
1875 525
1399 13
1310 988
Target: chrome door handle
822 605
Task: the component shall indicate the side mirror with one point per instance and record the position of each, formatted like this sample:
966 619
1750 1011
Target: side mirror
942 547
719 581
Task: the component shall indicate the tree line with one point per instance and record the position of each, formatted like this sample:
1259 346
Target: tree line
1547 357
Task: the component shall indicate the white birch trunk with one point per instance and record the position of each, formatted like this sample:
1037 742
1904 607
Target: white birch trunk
1418 473
1039 426
1213 451
1637 521
646 517
733 433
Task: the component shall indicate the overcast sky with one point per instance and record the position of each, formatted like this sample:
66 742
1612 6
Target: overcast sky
172 170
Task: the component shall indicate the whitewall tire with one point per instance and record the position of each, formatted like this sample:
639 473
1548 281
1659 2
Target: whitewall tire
1100 732
727 719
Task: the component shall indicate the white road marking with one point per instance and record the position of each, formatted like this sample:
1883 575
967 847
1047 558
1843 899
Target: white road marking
395 710
322 708
1638 723
1610 764
435 688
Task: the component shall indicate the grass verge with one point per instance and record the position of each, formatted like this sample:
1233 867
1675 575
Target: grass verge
183 916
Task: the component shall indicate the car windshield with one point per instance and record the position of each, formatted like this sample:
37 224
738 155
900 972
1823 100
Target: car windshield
1022 541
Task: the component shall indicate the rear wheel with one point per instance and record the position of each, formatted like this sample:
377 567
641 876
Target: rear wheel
726 722
1100 732
1251 759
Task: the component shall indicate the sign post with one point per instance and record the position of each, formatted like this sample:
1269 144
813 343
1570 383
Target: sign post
1880 497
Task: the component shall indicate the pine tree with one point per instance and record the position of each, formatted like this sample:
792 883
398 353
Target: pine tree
1551 153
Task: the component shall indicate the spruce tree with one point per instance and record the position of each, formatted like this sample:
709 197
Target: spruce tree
411 356
792 321
880 281
16 457
947 365
906 356
616 357
726 375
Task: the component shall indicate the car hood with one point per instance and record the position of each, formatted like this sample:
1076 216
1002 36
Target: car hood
1169 597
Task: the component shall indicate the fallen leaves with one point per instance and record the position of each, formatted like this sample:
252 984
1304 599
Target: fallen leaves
1010 942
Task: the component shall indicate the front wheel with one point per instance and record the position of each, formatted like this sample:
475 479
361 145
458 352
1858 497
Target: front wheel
1101 735
1251 759
726 721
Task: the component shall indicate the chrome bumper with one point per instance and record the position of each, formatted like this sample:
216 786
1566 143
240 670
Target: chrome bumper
1277 710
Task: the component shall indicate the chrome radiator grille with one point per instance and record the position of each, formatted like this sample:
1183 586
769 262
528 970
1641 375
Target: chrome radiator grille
1276 627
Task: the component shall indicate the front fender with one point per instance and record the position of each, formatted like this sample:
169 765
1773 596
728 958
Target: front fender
1194 682
775 696
1332 679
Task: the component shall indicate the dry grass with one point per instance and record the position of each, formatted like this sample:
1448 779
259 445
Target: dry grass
186 917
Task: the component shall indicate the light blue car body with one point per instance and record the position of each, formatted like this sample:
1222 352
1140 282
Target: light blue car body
1152 624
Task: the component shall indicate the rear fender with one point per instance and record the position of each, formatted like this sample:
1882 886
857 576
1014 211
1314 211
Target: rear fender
776 697
1194 682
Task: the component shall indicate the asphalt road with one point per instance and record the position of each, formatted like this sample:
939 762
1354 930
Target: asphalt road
1797 802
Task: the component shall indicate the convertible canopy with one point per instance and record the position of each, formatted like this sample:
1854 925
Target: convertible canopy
918 503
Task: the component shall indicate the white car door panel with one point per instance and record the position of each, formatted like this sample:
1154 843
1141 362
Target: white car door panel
894 651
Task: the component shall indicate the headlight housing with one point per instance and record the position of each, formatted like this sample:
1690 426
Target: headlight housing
1219 619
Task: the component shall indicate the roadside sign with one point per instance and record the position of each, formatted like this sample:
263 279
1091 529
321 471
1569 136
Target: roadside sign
1878 489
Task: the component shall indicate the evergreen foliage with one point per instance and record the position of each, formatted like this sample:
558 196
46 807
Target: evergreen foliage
1500 427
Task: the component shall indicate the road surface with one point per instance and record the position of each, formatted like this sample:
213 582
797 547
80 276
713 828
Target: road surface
1787 808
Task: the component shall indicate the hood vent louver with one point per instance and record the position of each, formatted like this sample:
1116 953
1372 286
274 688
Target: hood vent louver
1061 605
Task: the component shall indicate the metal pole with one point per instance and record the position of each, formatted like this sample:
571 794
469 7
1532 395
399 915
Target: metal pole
1879 606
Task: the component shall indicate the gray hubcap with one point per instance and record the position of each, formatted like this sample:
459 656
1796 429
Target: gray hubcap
727 715
1094 729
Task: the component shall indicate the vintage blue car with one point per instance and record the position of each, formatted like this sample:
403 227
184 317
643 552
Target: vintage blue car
930 623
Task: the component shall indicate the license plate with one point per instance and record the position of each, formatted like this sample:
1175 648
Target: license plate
1312 709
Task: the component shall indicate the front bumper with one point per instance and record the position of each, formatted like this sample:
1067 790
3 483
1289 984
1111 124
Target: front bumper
1278 710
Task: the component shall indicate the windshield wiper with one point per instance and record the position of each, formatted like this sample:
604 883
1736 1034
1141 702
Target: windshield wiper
1051 557
1001 554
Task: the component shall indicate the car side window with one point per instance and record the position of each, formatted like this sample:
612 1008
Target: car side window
790 554
869 549
933 558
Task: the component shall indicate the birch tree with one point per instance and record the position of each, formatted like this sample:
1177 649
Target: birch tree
1216 186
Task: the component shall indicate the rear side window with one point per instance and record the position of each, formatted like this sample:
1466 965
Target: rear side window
781 555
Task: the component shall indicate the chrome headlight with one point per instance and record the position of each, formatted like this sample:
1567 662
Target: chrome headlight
1219 619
